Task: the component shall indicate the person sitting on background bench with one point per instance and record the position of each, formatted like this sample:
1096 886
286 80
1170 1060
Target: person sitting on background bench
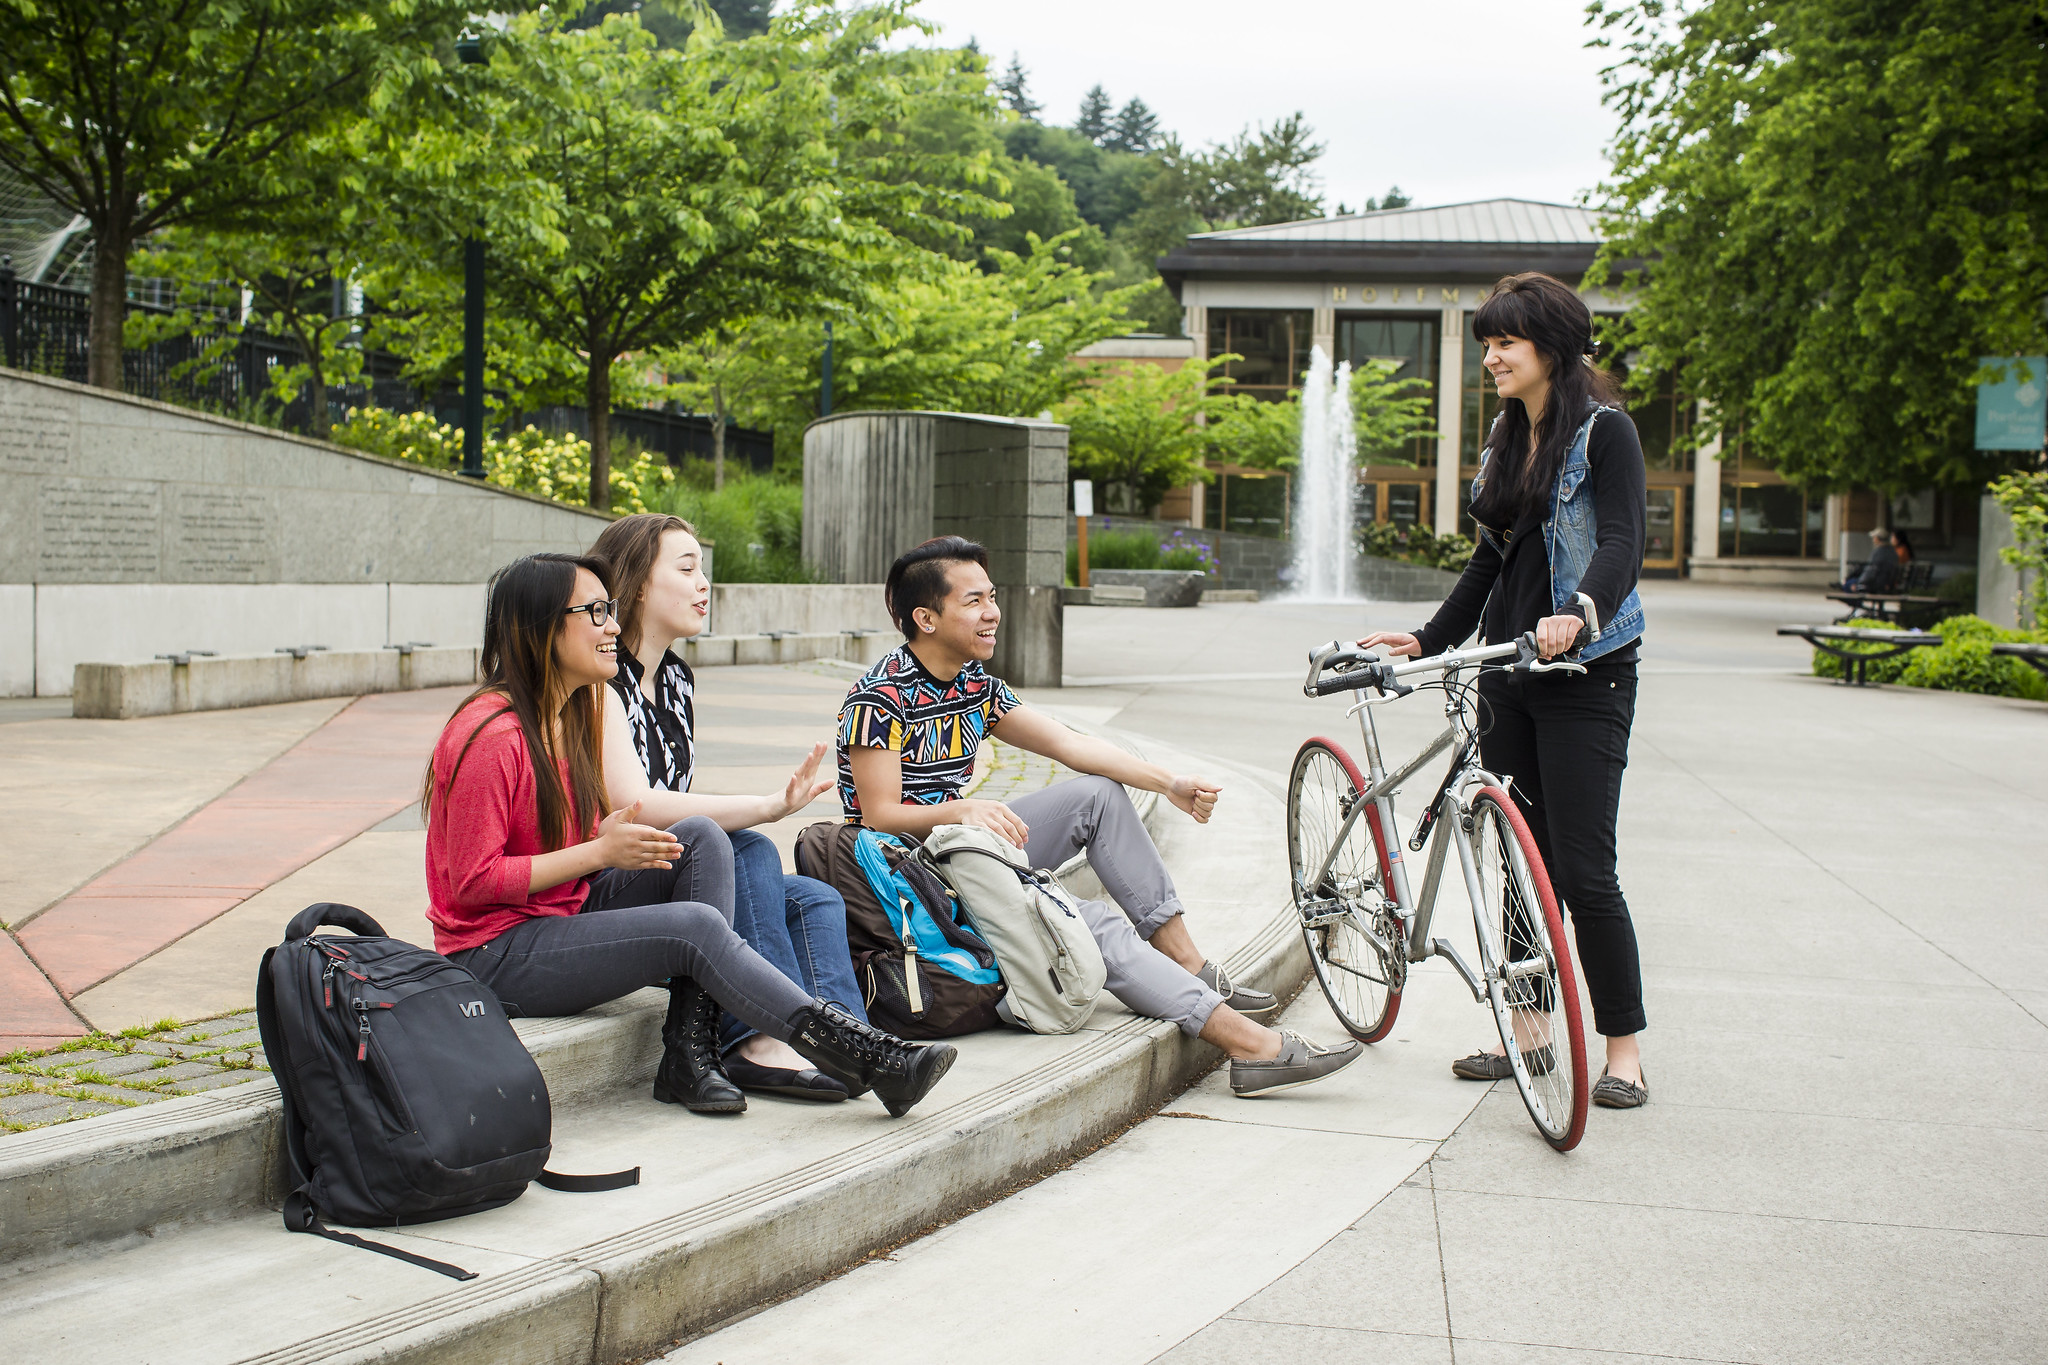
557 905
1881 574
907 739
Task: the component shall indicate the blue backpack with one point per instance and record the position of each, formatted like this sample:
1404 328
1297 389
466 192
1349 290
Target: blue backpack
924 972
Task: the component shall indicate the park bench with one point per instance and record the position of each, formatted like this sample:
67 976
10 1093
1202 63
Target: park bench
2034 655
1855 662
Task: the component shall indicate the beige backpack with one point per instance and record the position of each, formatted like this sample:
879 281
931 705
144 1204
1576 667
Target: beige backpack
1042 943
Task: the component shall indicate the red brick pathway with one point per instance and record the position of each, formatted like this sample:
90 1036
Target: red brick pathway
361 767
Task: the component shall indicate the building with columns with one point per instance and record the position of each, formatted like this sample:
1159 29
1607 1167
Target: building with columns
1403 285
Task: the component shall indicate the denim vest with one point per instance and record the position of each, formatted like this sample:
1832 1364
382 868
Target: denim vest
1568 535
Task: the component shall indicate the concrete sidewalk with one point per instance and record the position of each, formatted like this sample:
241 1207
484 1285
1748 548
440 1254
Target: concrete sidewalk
1842 897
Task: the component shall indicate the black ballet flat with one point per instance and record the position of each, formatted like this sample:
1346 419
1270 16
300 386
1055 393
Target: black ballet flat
774 1080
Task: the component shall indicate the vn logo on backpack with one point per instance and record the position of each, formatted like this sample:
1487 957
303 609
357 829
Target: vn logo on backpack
407 1096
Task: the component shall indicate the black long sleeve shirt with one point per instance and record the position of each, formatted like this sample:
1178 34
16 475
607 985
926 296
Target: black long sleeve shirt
1510 586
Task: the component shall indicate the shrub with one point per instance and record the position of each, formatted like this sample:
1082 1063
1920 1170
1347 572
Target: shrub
1141 548
1883 671
755 525
1415 545
530 460
1960 586
1962 662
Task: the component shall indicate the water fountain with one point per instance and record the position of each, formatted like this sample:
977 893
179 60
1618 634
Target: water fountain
1326 487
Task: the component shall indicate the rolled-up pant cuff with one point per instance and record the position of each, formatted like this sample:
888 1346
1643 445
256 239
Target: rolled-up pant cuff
1620 1026
1156 917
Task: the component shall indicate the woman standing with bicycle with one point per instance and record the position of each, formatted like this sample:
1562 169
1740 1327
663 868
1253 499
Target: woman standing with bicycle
1560 507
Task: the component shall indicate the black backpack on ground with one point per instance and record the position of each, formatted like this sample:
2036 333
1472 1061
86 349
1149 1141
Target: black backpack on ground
407 1096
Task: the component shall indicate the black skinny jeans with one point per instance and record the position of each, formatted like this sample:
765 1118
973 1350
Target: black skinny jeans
1564 739
640 929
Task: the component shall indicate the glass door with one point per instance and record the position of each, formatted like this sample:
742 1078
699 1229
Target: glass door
1661 544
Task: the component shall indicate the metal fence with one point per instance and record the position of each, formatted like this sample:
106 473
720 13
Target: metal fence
45 329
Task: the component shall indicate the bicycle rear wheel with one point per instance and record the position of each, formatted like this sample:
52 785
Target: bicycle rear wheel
1343 915
1535 993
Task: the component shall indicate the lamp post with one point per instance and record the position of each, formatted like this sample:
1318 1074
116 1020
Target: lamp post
825 386
470 48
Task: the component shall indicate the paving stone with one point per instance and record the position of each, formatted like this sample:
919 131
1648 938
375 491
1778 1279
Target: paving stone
162 1049
120 1064
85 1056
183 1071
75 1109
31 1106
199 1084
114 1093
243 1039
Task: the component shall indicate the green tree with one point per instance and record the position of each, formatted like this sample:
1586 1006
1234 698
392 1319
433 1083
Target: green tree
1016 93
1830 209
955 339
1093 120
1136 129
1388 413
141 115
674 191
1143 427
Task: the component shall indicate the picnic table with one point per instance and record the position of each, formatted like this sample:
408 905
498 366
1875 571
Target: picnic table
1826 639
2035 655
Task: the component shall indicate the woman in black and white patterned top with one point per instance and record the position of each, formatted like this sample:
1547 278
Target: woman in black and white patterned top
650 757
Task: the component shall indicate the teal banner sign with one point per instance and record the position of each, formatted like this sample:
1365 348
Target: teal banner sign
2013 413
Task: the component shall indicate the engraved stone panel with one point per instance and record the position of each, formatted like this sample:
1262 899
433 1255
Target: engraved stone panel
37 428
221 535
98 532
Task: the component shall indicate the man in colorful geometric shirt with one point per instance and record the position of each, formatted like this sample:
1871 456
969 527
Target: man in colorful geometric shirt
907 739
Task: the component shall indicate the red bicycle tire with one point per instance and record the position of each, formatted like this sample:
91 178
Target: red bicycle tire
1567 975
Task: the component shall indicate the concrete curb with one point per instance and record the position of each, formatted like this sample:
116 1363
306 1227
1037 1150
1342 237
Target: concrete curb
162 687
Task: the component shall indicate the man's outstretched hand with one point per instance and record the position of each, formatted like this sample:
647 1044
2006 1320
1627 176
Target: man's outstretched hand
1195 795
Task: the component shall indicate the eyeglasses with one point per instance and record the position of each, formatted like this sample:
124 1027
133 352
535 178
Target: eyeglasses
600 612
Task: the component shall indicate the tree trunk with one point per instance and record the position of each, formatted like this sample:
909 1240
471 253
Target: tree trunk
597 398
109 306
717 436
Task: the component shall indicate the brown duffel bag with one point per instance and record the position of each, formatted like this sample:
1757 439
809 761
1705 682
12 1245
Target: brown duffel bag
923 972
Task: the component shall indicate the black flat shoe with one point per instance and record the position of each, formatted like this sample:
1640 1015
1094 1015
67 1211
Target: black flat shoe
1485 1066
1612 1092
774 1080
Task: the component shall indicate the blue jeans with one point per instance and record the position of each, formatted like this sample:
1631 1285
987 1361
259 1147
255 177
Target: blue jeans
797 923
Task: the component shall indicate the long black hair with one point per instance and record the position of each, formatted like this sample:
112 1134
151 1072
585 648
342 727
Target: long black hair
526 611
1549 315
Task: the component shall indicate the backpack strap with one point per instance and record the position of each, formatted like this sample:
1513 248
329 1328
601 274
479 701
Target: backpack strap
279 1056
301 1216
587 1184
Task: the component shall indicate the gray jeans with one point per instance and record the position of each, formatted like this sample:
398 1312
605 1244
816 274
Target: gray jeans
1095 814
642 929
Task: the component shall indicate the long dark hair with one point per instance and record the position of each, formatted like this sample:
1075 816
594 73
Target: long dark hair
630 546
1549 315
524 615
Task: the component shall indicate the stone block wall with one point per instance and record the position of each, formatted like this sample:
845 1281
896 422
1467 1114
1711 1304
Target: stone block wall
130 528
878 483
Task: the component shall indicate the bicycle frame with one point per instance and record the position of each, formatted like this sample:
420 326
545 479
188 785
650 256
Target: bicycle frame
1451 811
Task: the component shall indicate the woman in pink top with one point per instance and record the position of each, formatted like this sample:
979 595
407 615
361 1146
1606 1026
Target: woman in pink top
557 905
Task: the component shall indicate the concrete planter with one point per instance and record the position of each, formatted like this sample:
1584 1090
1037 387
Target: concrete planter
1163 587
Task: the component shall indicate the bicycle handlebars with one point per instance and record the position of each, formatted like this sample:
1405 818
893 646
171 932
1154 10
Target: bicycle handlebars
1350 669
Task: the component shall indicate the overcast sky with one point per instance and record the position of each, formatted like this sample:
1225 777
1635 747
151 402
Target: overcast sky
1449 99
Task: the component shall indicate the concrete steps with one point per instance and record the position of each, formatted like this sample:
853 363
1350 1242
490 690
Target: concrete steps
150 1236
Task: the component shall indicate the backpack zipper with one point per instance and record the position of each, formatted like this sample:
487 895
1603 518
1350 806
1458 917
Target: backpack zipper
363 1008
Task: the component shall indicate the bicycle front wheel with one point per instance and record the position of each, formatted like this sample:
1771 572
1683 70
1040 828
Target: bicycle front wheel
1354 940
1531 985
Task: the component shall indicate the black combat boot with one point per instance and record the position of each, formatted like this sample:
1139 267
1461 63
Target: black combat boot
691 1073
862 1057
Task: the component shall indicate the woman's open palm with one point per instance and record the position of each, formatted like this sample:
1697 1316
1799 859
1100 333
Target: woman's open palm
806 784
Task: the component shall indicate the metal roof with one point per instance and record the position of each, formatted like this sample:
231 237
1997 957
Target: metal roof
1483 220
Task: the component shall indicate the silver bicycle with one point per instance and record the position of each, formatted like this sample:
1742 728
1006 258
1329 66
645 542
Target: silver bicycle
1363 922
